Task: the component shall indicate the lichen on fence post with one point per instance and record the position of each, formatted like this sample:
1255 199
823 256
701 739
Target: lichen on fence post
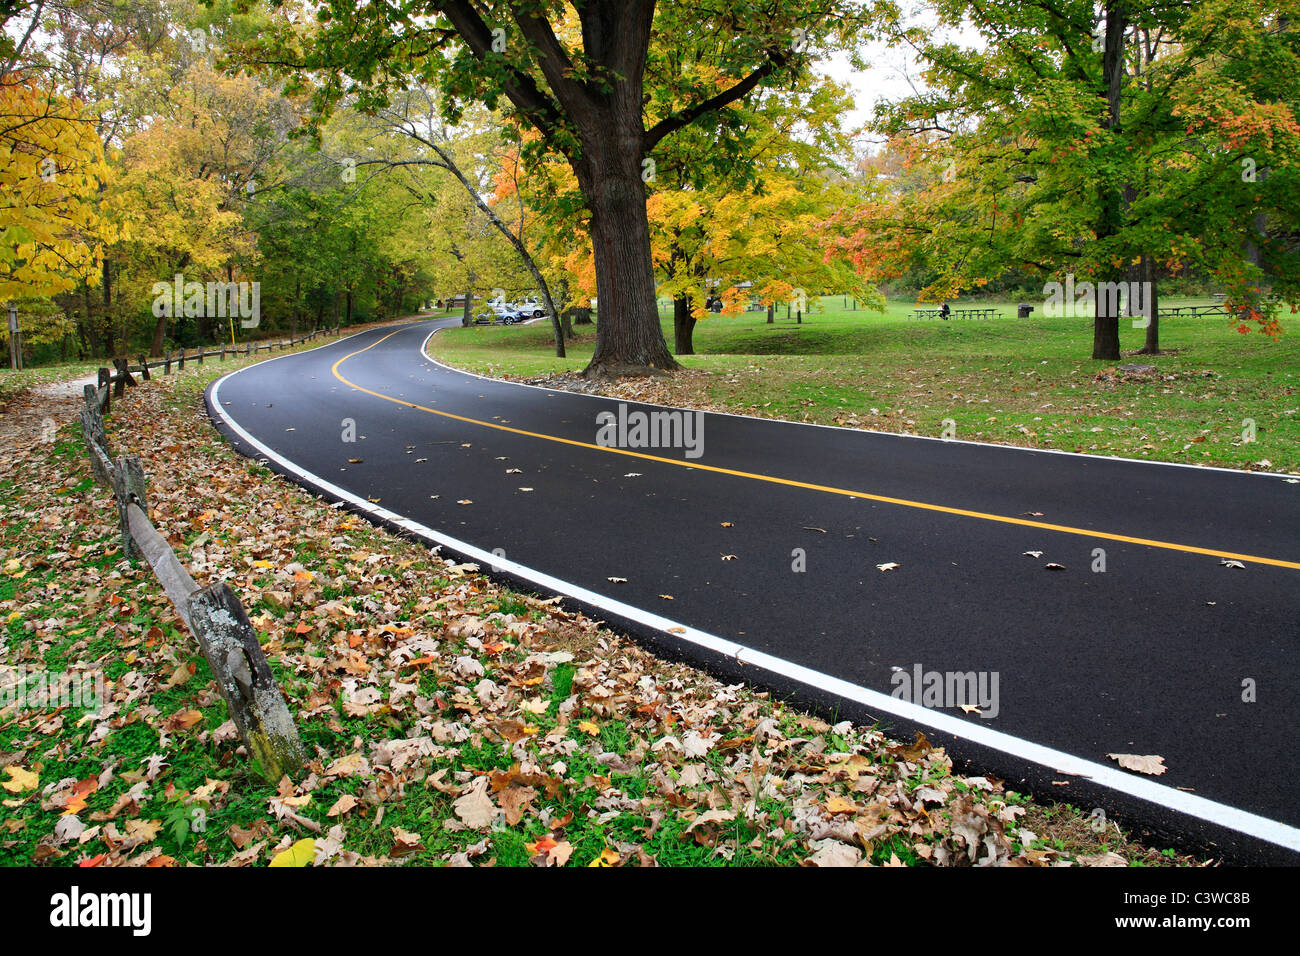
244 677
92 430
128 489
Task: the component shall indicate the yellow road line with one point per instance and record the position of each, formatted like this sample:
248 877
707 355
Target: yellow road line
789 482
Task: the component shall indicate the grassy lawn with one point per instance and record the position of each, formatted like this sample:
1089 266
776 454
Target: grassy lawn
1024 382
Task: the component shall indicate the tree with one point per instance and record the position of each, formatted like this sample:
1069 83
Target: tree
578 75
52 229
414 119
1041 150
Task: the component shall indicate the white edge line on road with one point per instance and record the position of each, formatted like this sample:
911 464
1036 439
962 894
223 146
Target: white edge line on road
1262 828
424 349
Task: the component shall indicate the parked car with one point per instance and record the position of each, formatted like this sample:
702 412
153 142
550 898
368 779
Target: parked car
505 314
532 307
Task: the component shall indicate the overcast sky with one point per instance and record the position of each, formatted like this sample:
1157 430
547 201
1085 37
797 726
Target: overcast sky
894 72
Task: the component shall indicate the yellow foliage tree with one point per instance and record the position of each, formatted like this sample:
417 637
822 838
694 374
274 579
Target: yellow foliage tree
53 228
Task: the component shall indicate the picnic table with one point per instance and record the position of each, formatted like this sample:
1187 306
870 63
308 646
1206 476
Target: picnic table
972 313
1175 311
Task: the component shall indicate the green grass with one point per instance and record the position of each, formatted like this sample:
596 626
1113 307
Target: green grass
1026 382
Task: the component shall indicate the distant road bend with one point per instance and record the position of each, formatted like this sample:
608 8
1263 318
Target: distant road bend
770 537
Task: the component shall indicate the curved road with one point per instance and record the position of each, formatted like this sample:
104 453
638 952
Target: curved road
768 536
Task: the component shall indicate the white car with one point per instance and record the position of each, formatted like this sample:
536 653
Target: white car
531 306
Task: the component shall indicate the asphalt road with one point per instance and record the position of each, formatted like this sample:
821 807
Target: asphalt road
769 544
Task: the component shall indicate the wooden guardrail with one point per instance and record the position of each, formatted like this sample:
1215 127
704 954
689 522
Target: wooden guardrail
213 613
113 382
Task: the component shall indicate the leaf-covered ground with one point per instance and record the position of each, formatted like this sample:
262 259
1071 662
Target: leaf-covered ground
449 720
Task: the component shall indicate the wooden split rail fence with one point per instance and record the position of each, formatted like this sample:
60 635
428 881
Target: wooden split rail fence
113 382
212 613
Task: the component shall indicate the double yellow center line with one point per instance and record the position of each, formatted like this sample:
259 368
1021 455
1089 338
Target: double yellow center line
866 496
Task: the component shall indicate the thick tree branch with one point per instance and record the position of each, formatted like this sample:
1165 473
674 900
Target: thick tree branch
675 121
520 88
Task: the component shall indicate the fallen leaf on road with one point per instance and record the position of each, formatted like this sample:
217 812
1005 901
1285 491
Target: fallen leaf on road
1149 763
887 566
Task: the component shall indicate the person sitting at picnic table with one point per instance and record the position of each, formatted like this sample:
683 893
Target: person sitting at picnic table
943 311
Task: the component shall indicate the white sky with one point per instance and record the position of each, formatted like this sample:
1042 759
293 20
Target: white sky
893 74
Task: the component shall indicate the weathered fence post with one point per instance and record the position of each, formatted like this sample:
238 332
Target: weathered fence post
244 677
180 362
144 367
167 363
92 430
123 375
202 352
223 352
128 489
105 381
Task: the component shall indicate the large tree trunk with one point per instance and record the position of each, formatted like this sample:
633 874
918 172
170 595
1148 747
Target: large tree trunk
581 315
1105 330
683 326
629 339
466 317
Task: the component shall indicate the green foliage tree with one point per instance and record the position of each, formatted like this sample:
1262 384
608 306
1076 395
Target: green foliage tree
582 76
